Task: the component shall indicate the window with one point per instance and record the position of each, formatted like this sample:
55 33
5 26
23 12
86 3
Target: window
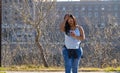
76 9
20 1
16 1
96 14
14 38
83 8
5 18
77 14
89 14
63 8
4 34
102 25
5 12
102 7
83 14
116 15
109 8
16 13
10 0
89 8
15 18
96 8
5 1
116 7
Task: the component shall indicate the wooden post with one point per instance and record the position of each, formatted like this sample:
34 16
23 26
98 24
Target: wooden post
0 29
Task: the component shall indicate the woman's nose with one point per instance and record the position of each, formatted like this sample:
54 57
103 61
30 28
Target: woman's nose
70 20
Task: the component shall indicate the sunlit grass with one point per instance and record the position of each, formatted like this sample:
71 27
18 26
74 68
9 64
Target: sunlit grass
35 68
42 68
2 69
118 69
111 69
2 72
107 69
90 69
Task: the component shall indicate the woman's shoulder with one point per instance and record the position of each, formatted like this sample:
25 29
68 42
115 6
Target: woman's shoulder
78 26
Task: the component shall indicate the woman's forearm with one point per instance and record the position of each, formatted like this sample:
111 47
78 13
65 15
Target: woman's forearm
80 37
62 25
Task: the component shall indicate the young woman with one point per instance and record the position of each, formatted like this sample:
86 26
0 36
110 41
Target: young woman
72 51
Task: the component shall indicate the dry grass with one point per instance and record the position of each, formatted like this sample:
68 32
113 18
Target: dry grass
90 69
2 72
112 69
42 68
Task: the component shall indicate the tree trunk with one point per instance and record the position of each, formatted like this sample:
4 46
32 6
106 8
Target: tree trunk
40 48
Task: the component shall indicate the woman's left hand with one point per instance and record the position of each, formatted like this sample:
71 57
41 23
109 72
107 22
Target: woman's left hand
72 34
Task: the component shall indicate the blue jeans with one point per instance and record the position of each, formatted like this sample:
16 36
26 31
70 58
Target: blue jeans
71 63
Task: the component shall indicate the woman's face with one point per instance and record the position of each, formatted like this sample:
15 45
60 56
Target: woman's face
71 21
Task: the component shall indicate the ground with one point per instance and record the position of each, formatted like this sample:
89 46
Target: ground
54 72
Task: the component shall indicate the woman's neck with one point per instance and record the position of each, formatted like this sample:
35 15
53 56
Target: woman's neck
73 28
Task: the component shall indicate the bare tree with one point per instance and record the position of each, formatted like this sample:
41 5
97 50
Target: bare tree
37 14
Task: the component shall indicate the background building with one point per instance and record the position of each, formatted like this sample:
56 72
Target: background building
100 20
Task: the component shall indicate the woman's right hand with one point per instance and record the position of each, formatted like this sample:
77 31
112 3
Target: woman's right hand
66 17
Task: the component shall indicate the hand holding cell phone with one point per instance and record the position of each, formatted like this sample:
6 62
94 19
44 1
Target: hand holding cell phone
72 34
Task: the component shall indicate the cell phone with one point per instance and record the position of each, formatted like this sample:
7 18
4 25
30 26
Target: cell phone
71 32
